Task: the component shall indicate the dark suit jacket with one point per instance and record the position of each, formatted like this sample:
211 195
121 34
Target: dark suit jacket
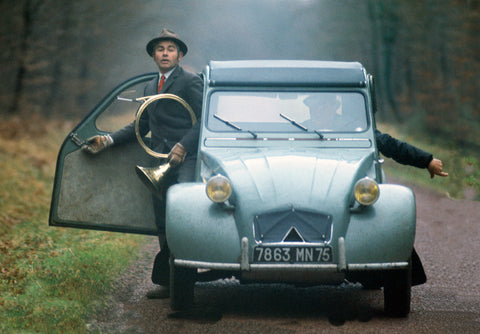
168 121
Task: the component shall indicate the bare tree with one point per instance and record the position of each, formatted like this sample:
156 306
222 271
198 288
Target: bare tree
30 10
386 22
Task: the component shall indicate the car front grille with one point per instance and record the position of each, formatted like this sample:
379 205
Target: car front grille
292 226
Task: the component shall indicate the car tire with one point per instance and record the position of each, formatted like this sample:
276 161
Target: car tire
397 292
182 285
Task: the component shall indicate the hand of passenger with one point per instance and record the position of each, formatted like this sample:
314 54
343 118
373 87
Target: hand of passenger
96 144
177 155
435 167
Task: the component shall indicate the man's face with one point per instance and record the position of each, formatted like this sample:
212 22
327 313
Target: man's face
166 55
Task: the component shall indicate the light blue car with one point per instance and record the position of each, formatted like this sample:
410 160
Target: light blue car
289 185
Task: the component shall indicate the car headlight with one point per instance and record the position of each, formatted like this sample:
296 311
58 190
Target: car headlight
366 191
219 188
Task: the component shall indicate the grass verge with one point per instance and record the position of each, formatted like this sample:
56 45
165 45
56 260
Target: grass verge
50 278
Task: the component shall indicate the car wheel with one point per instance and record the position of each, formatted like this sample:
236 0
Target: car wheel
397 292
182 284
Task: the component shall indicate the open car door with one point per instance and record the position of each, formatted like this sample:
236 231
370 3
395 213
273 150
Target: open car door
102 191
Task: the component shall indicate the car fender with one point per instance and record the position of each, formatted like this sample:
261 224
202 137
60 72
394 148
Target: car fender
197 228
385 231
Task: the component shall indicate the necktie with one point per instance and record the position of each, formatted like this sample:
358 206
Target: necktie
160 84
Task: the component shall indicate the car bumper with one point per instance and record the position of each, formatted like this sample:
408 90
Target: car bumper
245 265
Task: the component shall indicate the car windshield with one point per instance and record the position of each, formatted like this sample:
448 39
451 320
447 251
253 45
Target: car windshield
287 111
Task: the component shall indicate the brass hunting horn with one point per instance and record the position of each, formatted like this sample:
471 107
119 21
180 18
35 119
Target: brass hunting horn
153 177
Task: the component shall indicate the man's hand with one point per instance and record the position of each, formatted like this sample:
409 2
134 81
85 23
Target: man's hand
96 144
435 167
177 155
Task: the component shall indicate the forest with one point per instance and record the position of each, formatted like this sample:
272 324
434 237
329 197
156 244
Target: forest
58 58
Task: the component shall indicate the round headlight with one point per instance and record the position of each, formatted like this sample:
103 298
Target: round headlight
219 189
366 191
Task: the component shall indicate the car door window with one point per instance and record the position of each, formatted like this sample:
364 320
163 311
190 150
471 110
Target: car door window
120 112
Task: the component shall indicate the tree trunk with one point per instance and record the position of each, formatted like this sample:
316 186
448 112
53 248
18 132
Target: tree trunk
28 17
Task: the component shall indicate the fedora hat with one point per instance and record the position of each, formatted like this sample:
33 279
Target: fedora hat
167 34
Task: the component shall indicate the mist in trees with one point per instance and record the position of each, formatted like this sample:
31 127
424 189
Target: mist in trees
58 58
428 62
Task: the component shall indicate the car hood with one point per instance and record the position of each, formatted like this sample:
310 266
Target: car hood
270 182
265 181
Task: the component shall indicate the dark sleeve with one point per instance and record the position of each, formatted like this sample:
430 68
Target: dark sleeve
194 99
127 134
402 152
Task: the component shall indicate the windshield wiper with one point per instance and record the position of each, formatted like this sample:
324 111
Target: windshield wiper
294 122
236 127
319 134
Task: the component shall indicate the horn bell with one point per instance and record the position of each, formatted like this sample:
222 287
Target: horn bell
154 177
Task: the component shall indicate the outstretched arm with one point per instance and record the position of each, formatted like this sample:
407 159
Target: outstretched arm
407 154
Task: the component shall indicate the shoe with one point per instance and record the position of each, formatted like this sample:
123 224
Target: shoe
162 292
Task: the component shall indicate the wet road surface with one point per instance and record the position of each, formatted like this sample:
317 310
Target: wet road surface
448 242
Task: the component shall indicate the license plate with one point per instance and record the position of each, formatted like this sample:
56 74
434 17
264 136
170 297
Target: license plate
275 254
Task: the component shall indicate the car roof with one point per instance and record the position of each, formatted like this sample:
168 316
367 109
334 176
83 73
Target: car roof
286 73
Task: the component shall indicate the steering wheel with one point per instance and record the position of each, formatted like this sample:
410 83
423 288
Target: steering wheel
147 101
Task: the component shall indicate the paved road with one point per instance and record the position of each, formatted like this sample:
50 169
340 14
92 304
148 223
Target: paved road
448 234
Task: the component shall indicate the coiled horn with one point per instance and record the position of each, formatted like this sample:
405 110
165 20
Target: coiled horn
154 177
